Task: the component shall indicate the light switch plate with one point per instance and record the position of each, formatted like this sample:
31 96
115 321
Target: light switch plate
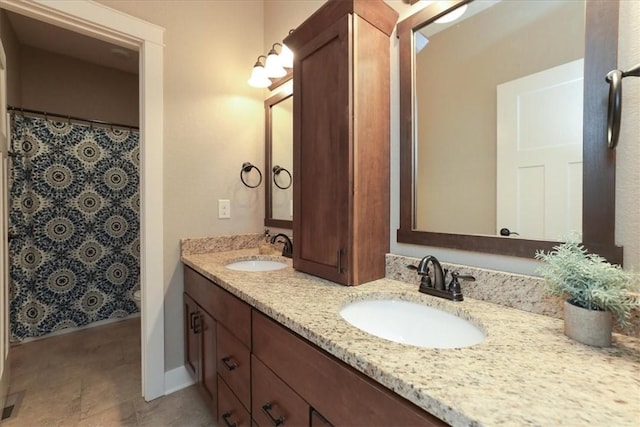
224 209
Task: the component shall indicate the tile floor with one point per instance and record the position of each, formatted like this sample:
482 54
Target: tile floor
92 378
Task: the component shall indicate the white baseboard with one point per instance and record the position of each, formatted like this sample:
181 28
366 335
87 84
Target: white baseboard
177 379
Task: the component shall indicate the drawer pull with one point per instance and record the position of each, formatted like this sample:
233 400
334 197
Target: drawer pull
226 417
266 408
196 322
230 365
191 319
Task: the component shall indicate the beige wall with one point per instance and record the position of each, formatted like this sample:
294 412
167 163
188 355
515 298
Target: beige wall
12 52
457 104
280 16
213 122
64 85
628 155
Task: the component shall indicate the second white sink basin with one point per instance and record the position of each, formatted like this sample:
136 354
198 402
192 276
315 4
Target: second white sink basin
410 323
256 265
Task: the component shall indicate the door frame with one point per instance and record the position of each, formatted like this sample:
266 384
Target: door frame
101 22
4 257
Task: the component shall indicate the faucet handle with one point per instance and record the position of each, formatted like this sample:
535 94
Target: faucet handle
412 267
454 286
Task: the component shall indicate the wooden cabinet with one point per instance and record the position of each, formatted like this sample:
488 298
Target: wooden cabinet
192 350
230 411
341 140
212 351
255 371
274 402
342 395
200 348
234 365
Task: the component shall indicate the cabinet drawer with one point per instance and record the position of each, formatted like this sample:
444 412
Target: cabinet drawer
234 365
273 400
220 304
230 410
341 394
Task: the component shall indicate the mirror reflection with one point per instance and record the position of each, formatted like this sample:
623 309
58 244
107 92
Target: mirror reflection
279 155
498 121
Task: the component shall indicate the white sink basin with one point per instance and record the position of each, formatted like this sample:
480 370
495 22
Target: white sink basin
411 323
256 265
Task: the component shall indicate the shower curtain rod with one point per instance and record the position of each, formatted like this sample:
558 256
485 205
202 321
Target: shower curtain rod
69 118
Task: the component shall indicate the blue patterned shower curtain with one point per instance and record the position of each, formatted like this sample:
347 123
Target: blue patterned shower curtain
73 225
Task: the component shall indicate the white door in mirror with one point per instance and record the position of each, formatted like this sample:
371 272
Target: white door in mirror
539 153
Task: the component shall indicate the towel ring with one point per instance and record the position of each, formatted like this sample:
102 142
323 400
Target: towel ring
614 111
246 168
276 171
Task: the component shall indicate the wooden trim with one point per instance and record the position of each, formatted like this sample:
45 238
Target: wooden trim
601 56
282 80
599 162
376 12
268 159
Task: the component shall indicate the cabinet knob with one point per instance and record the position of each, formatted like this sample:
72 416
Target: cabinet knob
266 408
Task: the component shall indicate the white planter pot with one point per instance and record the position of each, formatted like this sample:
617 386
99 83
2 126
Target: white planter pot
588 327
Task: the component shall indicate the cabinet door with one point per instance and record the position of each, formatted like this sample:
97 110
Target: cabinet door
209 361
192 340
322 149
273 402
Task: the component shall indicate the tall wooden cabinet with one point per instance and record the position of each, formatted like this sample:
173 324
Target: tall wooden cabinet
341 140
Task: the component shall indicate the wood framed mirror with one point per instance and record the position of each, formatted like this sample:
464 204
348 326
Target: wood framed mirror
279 158
595 176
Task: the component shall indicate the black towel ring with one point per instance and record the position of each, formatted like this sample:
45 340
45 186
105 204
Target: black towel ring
246 168
276 171
614 78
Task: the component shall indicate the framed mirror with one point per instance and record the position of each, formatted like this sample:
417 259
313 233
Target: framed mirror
503 126
279 159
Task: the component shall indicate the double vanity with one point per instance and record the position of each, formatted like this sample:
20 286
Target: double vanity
524 371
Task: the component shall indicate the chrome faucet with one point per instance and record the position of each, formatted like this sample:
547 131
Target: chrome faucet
433 280
287 250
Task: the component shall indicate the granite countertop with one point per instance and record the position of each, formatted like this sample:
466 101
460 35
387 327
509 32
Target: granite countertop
526 371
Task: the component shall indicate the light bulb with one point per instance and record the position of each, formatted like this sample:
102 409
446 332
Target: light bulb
286 56
453 15
272 65
258 75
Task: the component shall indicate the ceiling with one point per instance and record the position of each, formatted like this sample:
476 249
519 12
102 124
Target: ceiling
41 35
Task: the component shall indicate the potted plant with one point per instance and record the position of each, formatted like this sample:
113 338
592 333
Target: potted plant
595 291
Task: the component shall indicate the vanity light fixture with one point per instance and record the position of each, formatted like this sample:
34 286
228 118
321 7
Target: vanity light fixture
452 16
259 76
273 66
286 56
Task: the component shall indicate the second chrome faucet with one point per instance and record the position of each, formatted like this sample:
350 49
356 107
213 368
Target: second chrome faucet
433 279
